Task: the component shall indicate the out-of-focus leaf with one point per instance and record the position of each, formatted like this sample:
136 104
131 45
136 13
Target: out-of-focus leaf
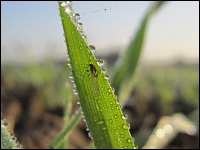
123 79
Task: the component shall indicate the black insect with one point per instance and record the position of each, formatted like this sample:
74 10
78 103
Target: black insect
93 70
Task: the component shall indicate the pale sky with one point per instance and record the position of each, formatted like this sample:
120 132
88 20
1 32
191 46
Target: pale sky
30 30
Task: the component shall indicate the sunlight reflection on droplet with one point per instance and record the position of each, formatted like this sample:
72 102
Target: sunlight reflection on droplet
160 133
168 129
191 129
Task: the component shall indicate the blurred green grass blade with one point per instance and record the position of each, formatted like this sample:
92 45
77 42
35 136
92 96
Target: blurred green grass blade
68 102
66 130
105 120
125 72
67 111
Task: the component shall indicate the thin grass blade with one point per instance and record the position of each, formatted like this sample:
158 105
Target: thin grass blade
123 79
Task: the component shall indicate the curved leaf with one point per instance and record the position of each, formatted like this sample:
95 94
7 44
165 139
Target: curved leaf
105 120
123 79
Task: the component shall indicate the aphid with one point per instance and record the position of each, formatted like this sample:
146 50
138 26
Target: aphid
93 70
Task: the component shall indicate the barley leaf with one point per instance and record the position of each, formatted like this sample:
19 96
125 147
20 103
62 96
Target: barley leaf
105 120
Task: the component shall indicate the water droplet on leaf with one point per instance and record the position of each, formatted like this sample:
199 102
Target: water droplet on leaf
80 27
64 4
77 16
107 77
125 126
104 70
69 3
75 92
69 65
93 49
68 11
71 77
111 121
100 62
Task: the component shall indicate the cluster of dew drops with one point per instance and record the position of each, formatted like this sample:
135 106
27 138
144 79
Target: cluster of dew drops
11 137
75 18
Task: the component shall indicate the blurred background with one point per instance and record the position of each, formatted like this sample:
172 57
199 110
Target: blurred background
35 81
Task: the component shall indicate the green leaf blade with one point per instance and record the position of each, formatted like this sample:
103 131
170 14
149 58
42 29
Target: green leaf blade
105 120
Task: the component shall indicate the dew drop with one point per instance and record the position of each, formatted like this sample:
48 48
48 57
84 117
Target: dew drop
113 89
128 124
111 121
89 134
126 116
125 126
13 137
160 133
84 37
100 122
64 4
18 146
104 10
101 62
191 129
122 135
72 80
4 124
77 16
93 49
93 52
87 129
68 11
129 140
168 129
109 91
80 27
86 124
71 77
107 77
69 65
68 59
69 3
105 108
104 70
84 119
75 92
74 85
78 102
